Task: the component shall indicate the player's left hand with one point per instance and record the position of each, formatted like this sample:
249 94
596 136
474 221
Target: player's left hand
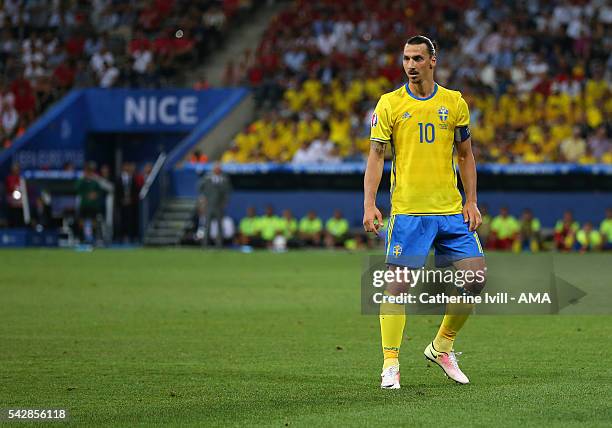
471 214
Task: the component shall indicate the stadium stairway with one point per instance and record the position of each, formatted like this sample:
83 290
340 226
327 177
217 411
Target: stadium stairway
170 222
247 36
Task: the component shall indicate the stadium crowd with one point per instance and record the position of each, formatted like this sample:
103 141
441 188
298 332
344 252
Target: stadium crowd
535 74
502 232
50 47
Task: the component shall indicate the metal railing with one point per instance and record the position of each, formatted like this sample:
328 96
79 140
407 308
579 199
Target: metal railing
152 193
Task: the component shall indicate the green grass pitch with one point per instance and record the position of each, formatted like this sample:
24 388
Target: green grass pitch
193 338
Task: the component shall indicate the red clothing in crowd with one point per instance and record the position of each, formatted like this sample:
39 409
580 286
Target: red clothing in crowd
255 75
64 75
21 84
25 102
75 46
201 158
163 45
182 45
230 7
139 45
151 17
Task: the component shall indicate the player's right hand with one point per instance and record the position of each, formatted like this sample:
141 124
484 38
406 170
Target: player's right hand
372 219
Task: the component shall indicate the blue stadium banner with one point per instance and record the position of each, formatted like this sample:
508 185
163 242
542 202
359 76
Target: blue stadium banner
150 110
60 135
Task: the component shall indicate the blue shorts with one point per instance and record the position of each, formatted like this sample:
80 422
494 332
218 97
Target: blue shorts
410 237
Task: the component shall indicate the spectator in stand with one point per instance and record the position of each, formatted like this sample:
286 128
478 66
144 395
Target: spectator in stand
573 148
141 60
249 229
64 75
25 101
605 228
183 44
83 77
101 60
304 155
565 232
214 21
10 118
139 43
529 234
333 157
152 78
336 230
587 158
322 147
197 157
588 239
310 229
108 76
233 155
201 84
504 231
600 144
14 197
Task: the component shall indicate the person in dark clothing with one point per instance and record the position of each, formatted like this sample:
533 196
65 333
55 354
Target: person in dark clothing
89 193
127 188
41 211
215 188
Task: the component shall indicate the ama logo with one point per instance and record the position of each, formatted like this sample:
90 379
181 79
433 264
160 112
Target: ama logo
374 120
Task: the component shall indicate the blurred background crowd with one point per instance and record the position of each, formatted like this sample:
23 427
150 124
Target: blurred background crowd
50 47
536 75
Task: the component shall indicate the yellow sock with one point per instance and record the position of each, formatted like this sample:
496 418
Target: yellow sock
392 321
388 362
456 316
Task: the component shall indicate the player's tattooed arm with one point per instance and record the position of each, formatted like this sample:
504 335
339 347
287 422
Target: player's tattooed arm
372 217
377 147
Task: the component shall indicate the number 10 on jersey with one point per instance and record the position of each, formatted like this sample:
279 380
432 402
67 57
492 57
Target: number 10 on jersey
427 132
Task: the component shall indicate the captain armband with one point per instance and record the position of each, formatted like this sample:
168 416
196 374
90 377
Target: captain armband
462 133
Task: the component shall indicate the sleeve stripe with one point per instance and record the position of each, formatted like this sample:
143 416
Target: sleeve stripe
379 140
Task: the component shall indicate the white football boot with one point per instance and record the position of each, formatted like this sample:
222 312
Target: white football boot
448 363
390 378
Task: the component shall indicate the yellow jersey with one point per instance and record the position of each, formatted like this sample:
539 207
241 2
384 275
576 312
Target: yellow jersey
421 132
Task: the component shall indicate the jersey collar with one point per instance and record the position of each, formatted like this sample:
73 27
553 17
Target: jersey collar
435 90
